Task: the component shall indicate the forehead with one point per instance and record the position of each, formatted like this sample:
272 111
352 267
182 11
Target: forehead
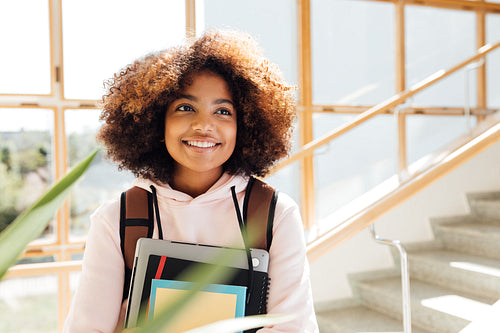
207 83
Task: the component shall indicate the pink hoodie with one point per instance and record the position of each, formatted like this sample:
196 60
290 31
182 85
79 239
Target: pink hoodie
208 219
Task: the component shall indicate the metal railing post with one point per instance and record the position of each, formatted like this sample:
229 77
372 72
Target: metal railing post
405 277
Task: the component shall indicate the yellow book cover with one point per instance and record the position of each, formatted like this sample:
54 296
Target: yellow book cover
212 303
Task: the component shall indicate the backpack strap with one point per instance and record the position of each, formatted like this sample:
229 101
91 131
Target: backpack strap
258 212
136 221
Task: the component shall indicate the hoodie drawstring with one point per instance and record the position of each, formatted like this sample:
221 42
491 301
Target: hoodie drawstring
157 212
243 229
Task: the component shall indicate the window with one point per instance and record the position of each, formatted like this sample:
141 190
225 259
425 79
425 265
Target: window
101 182
354 163
438 39
26 161
25 56
101 37
34 295
352 52
267 21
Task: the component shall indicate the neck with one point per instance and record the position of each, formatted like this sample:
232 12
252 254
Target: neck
194 184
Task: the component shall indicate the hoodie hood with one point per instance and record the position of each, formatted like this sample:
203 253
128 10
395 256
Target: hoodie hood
219 191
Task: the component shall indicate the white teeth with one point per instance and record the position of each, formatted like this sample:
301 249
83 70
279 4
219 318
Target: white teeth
201 144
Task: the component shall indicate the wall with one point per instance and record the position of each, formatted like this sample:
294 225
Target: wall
408 222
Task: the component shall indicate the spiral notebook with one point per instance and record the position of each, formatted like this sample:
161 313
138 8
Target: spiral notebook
168 260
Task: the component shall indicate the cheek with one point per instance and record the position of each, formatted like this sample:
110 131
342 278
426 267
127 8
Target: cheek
233 134
170 134
172 126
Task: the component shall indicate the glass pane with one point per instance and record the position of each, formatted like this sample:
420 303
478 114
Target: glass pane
354 163
26 160
352 52
25 41
439 39
427 134
33 260
101 182
272 23
287 180
77 256
29 304
493 61
100 37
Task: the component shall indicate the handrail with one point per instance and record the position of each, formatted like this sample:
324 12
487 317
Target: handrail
309 148
353 225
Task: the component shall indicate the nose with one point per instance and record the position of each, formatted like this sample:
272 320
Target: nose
203 122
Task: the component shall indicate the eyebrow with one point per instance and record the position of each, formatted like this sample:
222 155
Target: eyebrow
218 101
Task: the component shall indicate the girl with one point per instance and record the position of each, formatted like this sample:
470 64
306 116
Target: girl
194 121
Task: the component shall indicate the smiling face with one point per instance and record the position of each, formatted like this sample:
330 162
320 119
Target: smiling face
200 128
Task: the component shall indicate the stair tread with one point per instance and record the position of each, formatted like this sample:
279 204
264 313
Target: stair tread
488 200
482 229
360 319
471 262
457 270
422 290
460 304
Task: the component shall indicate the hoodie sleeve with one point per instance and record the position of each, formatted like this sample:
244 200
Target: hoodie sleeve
97 302
290 288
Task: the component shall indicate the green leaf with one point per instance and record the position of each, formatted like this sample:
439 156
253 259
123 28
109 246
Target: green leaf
31 223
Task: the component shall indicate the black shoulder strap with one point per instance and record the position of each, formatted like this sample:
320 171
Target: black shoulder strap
136 221
258 212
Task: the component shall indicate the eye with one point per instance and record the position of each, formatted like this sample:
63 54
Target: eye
184 108
224 112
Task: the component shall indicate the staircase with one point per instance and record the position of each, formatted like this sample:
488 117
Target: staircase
455 281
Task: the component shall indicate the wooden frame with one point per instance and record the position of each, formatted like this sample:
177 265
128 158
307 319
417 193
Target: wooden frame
190 18
481 71
305 116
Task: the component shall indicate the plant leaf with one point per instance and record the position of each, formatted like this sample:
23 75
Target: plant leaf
31 223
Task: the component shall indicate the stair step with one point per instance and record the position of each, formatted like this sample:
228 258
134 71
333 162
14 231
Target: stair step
486 208
477 238
485 205
357 319
434 308
457 270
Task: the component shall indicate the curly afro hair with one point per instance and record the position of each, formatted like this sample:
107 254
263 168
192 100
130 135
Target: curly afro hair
138 96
